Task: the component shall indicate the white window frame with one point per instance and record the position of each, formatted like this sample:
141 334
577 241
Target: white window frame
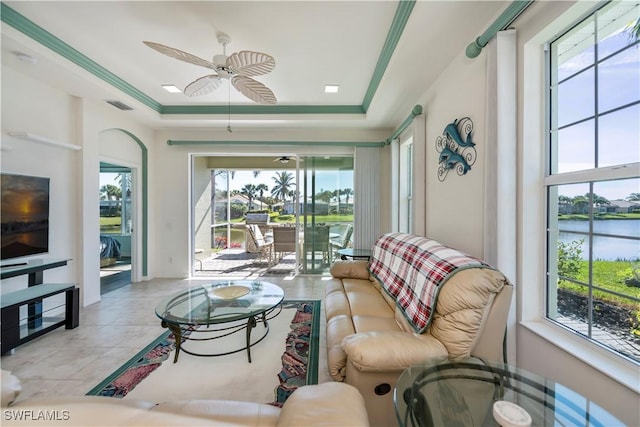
405 184
532 209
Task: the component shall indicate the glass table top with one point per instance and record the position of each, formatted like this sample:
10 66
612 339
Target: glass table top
463 393
220 302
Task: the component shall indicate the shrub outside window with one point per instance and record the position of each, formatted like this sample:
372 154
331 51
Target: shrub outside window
592 181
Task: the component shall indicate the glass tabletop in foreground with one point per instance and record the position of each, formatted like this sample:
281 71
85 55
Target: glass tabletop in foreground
462 393
220 302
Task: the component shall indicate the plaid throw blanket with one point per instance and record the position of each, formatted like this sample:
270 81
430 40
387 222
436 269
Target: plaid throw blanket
412 269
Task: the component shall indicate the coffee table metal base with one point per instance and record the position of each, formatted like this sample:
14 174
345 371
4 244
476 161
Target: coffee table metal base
179 332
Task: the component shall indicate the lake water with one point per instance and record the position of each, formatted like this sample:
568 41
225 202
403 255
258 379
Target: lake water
605 248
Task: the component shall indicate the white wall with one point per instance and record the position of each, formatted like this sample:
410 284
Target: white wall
108 134
454 207
30 106
52 110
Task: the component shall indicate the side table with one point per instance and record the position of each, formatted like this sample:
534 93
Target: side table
347 253
463 393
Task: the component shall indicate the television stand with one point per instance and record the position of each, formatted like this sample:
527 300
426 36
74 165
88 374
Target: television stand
13 265
12 333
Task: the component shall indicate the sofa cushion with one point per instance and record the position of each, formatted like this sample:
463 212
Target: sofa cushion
338 327
413 269
234 413
366 300
354 269
327 404
463 307
390 351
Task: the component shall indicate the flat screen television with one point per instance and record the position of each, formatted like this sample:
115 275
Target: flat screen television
24 215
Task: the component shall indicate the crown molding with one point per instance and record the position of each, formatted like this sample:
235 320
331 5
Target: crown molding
405 7
172 142
262 109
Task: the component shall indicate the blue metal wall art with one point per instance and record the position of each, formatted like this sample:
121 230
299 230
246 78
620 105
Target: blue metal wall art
456 148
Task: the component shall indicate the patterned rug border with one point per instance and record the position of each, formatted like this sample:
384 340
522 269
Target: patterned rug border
164 344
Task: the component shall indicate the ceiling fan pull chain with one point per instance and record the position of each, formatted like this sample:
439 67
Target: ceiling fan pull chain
229 111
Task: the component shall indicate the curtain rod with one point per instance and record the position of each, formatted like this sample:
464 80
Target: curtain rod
504 20
417 110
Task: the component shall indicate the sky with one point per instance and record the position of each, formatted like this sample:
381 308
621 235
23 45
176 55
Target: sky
618 132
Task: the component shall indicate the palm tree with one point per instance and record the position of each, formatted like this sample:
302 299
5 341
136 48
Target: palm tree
250 191
633 197
564 202
261 188
283 183
325 195
580 202
347 192
599 200
110 192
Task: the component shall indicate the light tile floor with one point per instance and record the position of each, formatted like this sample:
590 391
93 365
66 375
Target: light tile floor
72 361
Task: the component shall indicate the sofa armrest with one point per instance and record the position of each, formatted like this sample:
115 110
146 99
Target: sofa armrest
327 404
11 387
390 351
348 269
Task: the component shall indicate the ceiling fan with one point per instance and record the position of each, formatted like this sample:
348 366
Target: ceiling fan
238 68
285 159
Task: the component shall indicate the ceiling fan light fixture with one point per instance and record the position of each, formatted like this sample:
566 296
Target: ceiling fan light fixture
171 88
331 88
284 160
238 68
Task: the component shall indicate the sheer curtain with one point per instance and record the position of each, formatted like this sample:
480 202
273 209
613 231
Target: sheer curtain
366 197
501 155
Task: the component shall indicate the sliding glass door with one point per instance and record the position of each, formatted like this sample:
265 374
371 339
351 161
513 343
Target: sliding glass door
326 210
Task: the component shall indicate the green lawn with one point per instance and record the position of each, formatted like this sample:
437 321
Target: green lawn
608 275
110 224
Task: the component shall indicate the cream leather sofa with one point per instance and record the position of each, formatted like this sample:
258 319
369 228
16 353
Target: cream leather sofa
370 341
328 404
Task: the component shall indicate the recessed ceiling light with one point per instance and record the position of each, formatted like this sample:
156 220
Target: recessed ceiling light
331 88
171 89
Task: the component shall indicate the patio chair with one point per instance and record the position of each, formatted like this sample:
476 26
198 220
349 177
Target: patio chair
343 241
285 240
263 246
316 239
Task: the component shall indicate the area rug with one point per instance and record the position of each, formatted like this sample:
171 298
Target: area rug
285 360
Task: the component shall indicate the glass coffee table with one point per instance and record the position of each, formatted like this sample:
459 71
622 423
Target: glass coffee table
463 393
220 309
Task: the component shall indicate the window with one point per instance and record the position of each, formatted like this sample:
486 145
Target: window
592 182
406 187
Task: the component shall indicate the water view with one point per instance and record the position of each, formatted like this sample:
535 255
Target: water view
604 247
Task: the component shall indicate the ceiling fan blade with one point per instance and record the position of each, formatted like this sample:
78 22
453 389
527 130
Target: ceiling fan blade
250 63
203 85
253 90
181 55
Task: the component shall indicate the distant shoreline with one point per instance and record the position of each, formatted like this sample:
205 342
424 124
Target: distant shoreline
585 217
